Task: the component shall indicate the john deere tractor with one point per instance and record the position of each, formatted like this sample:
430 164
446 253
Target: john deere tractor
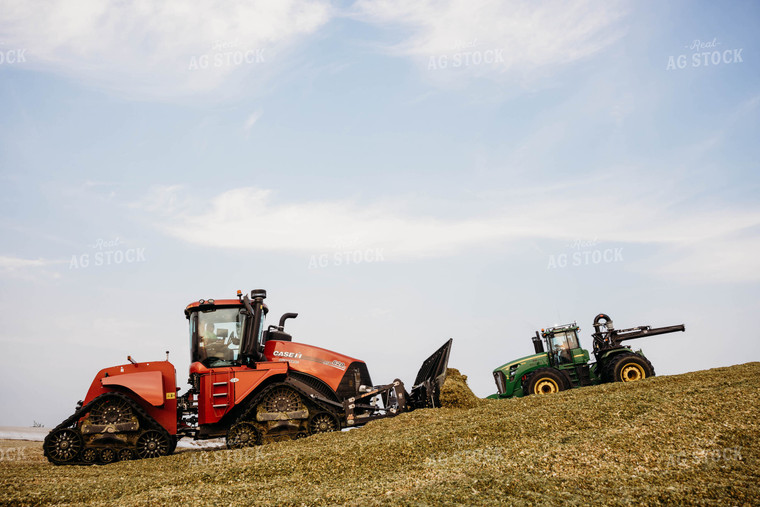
560 363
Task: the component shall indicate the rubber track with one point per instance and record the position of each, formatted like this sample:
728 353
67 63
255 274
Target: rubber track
146 423
320 407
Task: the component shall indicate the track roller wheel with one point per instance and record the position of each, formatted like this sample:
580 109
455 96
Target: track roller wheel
151 444
546 381
111 411
126 454
243 434
282 399
89 455
63 446
108 455
323 422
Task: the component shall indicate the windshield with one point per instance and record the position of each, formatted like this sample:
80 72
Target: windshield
561 343
215 336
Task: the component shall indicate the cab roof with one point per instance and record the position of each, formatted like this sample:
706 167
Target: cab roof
565 327
222 303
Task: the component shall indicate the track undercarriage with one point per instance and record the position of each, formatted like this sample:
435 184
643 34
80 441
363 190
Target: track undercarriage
281 412
112 427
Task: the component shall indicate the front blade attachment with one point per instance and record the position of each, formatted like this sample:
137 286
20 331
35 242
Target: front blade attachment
430 378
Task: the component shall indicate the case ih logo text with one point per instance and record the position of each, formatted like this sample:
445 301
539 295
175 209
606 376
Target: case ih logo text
291 355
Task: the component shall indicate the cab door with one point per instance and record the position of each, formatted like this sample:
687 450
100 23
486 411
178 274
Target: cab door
216 396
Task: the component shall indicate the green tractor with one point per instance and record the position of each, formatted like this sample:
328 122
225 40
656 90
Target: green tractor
564 364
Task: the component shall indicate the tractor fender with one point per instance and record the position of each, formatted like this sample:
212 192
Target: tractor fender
612 353
514 388
523 366
148 385
252 381
310 385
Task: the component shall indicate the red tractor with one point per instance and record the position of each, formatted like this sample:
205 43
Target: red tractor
250 383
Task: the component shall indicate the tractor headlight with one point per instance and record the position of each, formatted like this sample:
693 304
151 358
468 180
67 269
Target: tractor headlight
512 370
499 378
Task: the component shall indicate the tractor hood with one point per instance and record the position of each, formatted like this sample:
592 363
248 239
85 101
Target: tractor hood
329 366
509 376
518 362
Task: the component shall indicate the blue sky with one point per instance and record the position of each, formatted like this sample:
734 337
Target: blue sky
489 168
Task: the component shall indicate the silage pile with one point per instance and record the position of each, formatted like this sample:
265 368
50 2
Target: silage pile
455 393
690 439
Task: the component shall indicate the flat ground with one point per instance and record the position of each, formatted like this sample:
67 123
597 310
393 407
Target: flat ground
685 439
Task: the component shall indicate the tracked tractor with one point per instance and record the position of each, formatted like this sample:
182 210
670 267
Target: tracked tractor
560 363
250 383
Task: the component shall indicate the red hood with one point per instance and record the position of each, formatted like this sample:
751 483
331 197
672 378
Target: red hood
322 363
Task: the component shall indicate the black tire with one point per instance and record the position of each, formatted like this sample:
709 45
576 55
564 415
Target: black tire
173 444
89 456
628 367
546 381
282 398
63 446
243 434
152 444
323 422
108 455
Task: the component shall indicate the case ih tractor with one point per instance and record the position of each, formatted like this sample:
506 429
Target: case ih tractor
250 383
564 364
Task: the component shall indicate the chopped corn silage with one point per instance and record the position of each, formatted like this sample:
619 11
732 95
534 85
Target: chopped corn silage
455 393
686 439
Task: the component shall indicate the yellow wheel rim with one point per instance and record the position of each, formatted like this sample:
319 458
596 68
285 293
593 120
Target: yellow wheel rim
546 386
632 372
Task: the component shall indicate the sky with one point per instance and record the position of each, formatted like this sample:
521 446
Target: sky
398 173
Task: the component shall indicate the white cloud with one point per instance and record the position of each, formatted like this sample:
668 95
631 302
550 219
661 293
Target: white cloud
252 219
252 119
146 48
532 36
13 263
723 258
33 270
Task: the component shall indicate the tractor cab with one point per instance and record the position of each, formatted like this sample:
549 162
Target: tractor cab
227 332
217 329
232 332
562 345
